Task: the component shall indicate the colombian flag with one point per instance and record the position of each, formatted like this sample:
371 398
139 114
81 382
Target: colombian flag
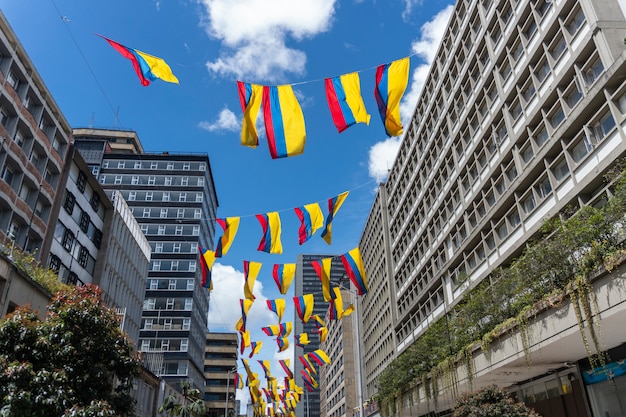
270 242
277 306
250 97
311 219
250 272
230 225
284 121
320 357
334 204
283 276
304 306
255 347
207 258
147 67
345 102
354 268
391 82
284 363
322 269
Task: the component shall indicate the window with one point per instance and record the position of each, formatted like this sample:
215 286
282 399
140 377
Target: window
515 109
135 180
168 180
199 197
182 197
186 166
593 71
137 165
557 116
166 196
200 182
196 230
505 69
84 221
197 214
202 166
542 70
560 170
170 166
69 203
602 128
154 165
97 238
68 240
146 212
158 247
558 48
144 229
528 204
156 265
83 256
502 231
81 182
528 91
176 247
180 213
544 188
541 137
188 304
174 265
192 266
517 51
527 153
118 179
55 263
151 180
120 164
149 195
530 29
179 230
132 195
184 181
161 230
575 22
171 284
573 96
169 304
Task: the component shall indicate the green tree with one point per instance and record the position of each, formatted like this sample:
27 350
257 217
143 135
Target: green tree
192 404
491 401
75 362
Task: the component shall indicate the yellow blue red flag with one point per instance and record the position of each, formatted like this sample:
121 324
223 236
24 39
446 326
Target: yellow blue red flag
391 82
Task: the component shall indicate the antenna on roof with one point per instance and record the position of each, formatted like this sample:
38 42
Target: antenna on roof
91 120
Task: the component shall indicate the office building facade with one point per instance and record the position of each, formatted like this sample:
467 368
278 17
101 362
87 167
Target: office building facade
220 366
172 197
34 139
521 115
308 282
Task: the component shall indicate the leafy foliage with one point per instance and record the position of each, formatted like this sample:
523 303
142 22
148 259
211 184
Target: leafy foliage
75 362
575 243
47 278
490 402
192 404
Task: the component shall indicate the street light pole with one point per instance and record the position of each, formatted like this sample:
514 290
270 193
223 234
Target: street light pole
230 371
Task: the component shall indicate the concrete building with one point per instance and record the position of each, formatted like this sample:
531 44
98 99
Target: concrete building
34 139
220 366
173 198
339 393
307 282
521 115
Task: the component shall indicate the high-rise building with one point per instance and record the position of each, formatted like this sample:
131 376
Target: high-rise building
220 366
172 196
34 138
521 115
307 282
339 393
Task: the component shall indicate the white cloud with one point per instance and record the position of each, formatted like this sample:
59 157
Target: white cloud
255 34
224 307
425 47
409 8
225 121
381 157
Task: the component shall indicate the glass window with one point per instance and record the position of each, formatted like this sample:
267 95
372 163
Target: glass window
558 48
560 170
151 180
593 71
135 180
573 96
575 22
529 203
544 188
542 70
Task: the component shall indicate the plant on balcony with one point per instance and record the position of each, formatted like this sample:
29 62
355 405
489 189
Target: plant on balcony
490 402
558 264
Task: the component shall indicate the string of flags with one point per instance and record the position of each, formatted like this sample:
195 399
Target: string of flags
285 131
283 119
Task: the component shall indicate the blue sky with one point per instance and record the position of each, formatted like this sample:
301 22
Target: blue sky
210 44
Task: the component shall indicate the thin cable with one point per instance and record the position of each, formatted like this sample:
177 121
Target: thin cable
291 208
93 74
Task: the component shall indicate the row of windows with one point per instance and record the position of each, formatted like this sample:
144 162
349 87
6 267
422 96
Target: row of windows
166 213
164 345
147 180
174 247
170 230
164 196
169 303
170 284
164 165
